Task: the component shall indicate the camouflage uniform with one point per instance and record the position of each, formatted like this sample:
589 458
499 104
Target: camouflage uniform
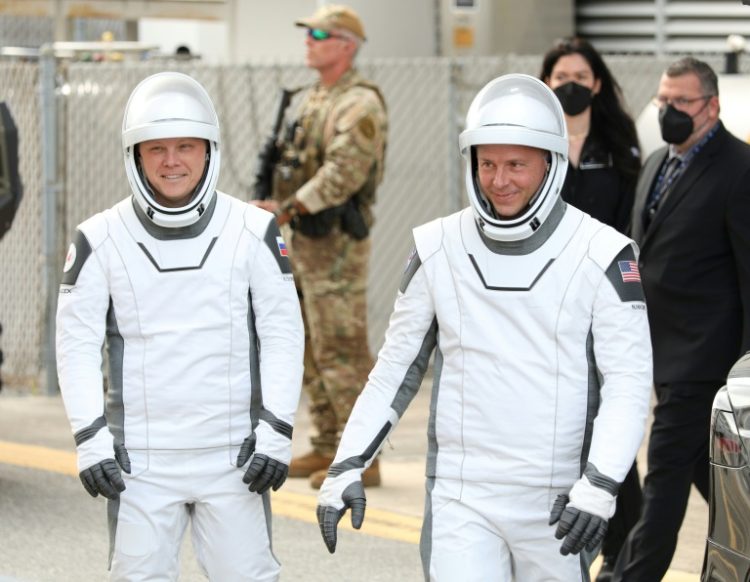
334 155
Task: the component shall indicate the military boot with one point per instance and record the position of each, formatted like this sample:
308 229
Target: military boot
309 463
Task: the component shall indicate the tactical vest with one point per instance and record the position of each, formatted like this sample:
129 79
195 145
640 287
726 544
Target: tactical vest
301 156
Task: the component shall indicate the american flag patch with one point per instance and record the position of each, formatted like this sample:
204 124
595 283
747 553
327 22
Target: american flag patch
282 246
629 271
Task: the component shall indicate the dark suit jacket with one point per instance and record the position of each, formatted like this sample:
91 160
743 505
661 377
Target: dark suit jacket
695 262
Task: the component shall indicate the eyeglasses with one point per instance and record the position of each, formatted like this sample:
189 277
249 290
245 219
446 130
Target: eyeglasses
677 102
320 34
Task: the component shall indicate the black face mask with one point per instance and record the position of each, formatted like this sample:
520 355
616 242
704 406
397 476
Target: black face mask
574 98
676 126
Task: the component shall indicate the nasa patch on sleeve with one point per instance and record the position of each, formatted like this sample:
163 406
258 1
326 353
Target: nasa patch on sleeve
78 251
625 276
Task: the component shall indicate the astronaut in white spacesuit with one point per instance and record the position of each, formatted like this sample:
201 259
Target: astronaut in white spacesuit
542 366
194 293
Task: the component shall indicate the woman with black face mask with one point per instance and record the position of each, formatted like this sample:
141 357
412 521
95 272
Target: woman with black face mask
604 154
604 161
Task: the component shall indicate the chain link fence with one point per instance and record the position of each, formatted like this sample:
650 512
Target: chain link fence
427 99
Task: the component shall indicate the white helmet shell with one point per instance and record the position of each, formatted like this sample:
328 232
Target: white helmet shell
517 110
170 105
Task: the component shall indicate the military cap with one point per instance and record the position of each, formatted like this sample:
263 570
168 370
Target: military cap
334 16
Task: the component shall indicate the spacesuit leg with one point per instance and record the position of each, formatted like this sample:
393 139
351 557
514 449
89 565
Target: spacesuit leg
232 526
457 542
149 520
522 515
481 531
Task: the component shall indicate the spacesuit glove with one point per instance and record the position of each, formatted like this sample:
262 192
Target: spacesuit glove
264 472
582 516
104 477
337 494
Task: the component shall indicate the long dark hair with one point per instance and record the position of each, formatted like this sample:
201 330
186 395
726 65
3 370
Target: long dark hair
610 122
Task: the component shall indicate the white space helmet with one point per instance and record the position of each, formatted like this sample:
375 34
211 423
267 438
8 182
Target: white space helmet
167 105
519 110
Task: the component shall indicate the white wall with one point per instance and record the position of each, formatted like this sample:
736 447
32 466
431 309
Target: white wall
207 38
395 28
506 26
259 30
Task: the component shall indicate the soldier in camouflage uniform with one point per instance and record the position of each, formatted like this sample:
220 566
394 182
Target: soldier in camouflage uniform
330 163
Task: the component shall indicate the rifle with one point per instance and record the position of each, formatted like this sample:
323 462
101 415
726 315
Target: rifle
269 153
11 189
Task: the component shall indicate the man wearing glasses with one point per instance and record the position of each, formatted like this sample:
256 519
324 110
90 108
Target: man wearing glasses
330 163
691 220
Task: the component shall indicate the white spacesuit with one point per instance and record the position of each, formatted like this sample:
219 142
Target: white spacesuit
205 344
542 369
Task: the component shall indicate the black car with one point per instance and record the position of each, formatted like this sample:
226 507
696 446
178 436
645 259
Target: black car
727 557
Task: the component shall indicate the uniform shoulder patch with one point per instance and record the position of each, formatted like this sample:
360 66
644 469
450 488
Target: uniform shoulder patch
625 276
78 251
367 127
277 246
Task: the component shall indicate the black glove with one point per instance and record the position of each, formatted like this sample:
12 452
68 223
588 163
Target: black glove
264 472
328 516
579 528
104 477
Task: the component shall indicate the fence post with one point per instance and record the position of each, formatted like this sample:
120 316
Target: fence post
455 162
50 188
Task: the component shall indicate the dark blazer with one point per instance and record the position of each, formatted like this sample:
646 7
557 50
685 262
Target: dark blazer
695 262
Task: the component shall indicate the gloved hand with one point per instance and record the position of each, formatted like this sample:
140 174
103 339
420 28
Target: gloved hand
583 516
104 477
271 452
337 494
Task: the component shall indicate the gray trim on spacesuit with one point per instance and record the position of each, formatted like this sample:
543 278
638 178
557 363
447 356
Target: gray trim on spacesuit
416 371
358 461
425 539
281 427
83 251
256 392
269 522
115 408
593 400
432 445
113 509
600 480
528 245
90 431
164 233
495 288
412 267
271 239
199 266
401 400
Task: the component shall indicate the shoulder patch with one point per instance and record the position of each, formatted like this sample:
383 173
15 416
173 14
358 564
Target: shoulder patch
367 127
78 251
625 277
277 246
412 265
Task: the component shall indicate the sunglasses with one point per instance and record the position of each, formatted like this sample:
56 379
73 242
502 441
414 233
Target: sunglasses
319 34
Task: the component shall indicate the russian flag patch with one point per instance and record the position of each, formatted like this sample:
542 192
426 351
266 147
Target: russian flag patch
282 246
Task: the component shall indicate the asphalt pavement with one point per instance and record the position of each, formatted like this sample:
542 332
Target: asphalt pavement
51 530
